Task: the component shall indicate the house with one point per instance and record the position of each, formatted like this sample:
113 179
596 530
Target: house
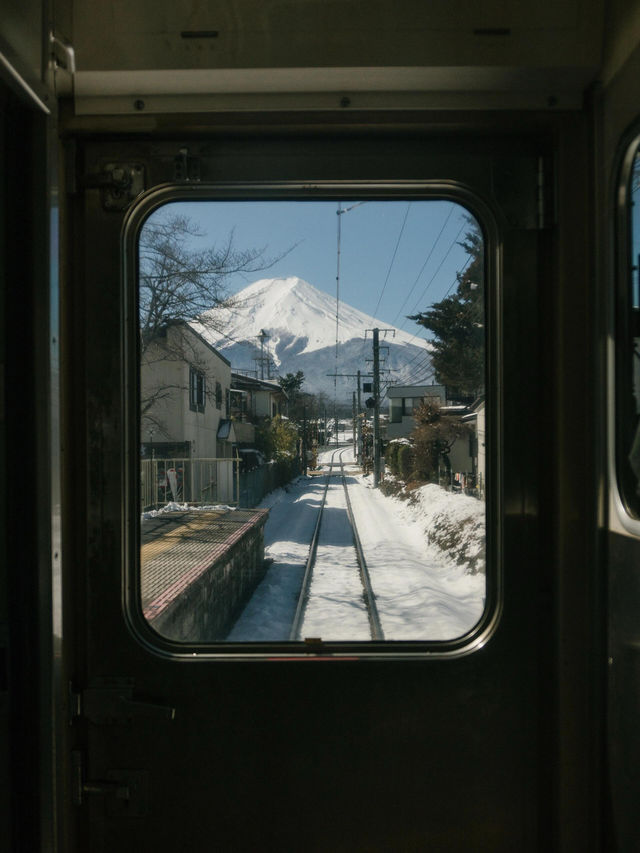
475 416
252 398
404 400
467 456
184 396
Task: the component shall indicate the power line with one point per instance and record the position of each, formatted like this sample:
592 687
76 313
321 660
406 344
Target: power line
455 281
395 252
435 243
424 292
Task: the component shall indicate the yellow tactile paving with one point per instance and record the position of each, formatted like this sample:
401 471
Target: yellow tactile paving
173 536
177 548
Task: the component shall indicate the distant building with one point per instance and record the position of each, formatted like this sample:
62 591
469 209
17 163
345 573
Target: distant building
477 443
467 457
185 396
404 400
252 399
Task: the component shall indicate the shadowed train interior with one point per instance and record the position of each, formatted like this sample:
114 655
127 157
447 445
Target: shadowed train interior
320 434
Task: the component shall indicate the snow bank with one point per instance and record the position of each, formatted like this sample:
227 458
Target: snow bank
176 507
454 522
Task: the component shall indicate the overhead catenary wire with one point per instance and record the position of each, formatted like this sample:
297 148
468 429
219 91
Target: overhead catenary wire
440 265
435 243
395 252
453 283
339 213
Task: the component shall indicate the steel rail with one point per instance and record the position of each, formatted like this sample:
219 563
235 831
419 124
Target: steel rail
308 571
368 594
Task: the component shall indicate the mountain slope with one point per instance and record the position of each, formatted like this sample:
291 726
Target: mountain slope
300 322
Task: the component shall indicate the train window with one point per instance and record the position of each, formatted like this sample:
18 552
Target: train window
337 492
628 340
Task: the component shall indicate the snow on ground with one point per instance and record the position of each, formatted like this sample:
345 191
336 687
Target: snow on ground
456 523
176 507
293 510
336 607
421 593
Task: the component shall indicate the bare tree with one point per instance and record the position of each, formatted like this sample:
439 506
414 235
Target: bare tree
179 284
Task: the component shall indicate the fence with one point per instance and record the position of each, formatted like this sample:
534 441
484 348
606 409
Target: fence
254 485
210 481
197 481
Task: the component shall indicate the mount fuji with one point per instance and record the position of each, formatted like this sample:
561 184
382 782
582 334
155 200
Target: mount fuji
300 326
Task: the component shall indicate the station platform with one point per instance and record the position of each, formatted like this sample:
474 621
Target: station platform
198 568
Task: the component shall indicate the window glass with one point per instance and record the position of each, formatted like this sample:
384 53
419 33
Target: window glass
351 337
628 343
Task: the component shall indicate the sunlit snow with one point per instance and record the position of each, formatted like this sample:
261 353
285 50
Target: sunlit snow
421 594
300 322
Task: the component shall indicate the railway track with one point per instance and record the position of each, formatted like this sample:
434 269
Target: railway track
343 528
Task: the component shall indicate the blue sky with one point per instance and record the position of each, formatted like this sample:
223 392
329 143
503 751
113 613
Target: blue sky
396 257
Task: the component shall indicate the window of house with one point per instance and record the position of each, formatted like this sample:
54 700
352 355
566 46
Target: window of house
334 300
628 337
197 390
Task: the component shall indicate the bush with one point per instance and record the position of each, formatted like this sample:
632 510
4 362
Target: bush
405 460
391 456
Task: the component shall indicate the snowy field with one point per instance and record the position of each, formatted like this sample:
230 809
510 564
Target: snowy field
421 594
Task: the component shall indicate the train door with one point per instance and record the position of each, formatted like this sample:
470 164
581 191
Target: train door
621 304
456 747
29 577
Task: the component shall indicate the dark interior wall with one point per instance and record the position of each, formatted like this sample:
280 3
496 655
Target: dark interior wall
25 588
5 821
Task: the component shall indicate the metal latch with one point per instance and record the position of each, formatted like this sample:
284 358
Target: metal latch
185 167
119 184
126 791
62 53
109 701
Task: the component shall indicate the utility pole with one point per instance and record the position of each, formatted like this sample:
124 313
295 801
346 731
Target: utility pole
357 376
376 405
304 440
354 419
376 408
262 337
358 439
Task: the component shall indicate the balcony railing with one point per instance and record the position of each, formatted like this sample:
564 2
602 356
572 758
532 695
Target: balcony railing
192 481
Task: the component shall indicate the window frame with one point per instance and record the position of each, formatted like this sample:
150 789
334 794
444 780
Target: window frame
618 410
197 391
419 190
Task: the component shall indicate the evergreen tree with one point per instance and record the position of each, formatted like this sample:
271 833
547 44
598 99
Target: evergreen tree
291 385
457 323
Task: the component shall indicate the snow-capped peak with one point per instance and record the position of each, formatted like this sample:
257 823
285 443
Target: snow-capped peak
292 309
293 324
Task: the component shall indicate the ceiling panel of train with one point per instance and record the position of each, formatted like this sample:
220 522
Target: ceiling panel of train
163 55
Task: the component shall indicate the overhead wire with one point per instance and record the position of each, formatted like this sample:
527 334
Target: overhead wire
435 243
425 359
454 282
395 252
440 265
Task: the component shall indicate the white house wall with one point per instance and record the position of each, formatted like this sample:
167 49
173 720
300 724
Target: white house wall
179 422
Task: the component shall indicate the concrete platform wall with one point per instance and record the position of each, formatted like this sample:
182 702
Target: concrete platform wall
206 610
